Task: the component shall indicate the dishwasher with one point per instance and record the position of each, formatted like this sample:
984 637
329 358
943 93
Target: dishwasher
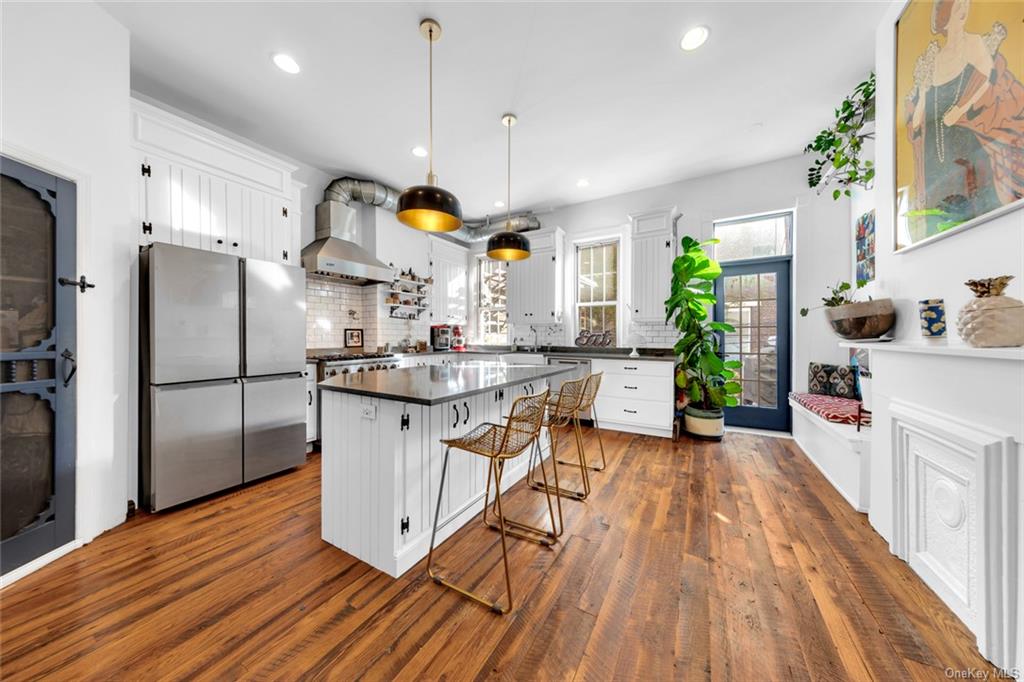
581 371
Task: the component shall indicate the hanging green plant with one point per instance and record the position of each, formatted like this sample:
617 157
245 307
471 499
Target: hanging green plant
840 146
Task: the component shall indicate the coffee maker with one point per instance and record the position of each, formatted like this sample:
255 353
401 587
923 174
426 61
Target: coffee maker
441 336
458 340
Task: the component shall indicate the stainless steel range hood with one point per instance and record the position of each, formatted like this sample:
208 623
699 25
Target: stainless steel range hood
335 252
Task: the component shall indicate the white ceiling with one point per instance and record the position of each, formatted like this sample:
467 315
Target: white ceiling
602 90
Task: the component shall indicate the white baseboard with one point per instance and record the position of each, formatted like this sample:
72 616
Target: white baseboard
37 563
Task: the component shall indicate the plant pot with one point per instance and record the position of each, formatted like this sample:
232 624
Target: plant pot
706 424
863 320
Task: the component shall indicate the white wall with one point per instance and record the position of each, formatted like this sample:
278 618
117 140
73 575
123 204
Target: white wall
937 270
822 239
65 110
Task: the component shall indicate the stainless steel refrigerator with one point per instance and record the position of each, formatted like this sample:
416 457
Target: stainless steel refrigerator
223 349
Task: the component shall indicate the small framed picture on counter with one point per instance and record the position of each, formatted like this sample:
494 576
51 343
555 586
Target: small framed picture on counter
353 338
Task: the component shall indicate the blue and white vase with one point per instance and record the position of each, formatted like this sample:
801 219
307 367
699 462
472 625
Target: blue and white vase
933 317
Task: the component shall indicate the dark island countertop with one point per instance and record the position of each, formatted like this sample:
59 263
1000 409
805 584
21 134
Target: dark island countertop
438 384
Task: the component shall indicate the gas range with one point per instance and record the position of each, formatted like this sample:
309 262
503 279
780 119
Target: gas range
350 363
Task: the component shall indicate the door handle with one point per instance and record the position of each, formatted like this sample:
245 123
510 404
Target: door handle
456 408
310 394
81 283
466 420
69 357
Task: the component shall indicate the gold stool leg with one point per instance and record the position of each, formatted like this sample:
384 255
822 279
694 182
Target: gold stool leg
533 483
523 531
600 442
493 605
567 492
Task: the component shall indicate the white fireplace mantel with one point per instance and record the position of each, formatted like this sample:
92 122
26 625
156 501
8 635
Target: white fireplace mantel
938 348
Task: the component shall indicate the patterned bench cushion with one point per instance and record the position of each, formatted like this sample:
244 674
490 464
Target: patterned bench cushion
833 409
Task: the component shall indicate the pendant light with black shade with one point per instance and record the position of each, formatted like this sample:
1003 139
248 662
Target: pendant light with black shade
508 244
428 207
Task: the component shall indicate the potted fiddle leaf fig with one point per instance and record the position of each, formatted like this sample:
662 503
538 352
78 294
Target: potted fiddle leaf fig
706 379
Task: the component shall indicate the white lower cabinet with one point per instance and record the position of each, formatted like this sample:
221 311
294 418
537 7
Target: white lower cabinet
311 403
636 396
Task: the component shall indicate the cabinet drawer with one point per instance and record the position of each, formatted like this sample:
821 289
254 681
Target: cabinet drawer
637 387
641 412
649 368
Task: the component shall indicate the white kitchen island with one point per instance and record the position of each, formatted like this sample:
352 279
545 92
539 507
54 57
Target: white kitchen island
382 455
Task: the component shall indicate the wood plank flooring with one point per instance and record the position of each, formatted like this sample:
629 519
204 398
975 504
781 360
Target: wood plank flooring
690 561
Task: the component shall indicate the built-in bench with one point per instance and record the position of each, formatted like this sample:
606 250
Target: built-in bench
827 430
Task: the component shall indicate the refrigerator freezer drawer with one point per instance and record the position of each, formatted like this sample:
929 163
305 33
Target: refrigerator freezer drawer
193 314
274 425
275 318
195 441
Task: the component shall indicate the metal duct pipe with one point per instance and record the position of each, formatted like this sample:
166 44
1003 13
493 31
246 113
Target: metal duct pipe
473 231
346 190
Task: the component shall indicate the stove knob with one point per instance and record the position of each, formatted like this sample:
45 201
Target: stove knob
359 369
370 368
394 366
331 372
344 370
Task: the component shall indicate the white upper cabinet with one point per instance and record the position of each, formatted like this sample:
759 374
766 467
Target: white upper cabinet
653 250
535 284
200 189
450 292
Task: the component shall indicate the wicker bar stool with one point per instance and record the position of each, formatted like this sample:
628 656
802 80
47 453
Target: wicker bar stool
561 412
498 443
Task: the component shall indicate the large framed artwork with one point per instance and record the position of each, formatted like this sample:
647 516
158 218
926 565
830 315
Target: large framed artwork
959 115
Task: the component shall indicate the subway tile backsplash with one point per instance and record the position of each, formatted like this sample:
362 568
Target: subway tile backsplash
332 307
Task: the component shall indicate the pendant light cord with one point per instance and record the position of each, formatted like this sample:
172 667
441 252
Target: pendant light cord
508 185
430 106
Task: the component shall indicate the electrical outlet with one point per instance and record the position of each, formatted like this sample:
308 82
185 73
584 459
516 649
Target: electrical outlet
369 411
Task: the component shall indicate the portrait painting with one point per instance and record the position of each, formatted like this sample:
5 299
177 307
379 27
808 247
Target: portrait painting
864 247
959 115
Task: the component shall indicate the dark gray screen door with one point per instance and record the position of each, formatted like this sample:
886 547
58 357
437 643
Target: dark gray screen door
753 296
37 363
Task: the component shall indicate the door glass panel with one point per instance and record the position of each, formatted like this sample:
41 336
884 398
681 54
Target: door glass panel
26 266
26 462
750 305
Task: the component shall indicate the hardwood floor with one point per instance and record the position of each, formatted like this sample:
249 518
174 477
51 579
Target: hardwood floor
689 561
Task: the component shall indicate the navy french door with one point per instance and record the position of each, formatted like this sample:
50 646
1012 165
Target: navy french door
37 363
754 297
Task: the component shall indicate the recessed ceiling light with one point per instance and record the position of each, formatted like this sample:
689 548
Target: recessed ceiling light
583 182
499 204
286 63
419 151
694 38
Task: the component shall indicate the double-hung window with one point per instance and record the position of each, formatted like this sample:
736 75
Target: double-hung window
492 304
597 287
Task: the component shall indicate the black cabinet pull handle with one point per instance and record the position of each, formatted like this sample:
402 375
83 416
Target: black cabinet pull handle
456 408
629 367
630 411
466 420
234 244
310 393
81 283
632 388
220 241
69 357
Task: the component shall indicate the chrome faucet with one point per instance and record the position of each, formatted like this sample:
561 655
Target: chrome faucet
536 344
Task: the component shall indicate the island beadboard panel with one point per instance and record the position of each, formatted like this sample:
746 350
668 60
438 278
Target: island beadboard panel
382 464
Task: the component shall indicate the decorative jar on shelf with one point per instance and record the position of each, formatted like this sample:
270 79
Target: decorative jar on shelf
991 319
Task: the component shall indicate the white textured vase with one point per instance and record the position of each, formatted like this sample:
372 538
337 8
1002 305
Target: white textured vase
991 320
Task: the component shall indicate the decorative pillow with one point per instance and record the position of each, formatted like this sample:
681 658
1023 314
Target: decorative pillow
834 380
